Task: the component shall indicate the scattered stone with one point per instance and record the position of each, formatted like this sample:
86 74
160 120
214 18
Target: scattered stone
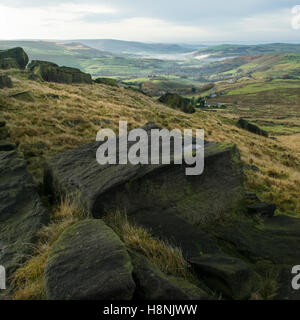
152 284
51 72
89 262
252 167
13 58
26 96
6 145
175 101
22 213
263 209
5 81
252 197
244 124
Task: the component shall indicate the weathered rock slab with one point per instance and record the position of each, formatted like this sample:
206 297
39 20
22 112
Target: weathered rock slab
89 261
276 241
13 58
22 213
220 272
134 187
152 284
228 275
51 72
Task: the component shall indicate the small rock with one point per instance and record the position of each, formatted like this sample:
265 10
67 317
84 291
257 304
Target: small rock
251 196
262 208
26 96
5 81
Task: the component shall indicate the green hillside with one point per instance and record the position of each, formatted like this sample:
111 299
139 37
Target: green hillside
230 50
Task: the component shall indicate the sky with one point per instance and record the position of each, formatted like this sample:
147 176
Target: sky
188 21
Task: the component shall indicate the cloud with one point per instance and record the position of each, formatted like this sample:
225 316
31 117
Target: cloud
156 20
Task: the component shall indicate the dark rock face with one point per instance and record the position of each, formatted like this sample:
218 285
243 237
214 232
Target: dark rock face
26 96
262 209
107 81
51 72
217 270
228 275
13 58
135 187
89 261
244 124
21 211
5 81
175 101
275 242
161 198
152 284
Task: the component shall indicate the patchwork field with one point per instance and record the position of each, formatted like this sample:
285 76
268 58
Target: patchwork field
274 105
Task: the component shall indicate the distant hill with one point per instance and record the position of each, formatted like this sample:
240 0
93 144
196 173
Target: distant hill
90 60
231 50
258 66
68 54
133 47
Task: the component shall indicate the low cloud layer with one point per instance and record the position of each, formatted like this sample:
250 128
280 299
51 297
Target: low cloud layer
159 21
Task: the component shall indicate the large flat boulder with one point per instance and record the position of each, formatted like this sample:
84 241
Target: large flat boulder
89 261
22 213
51 72
134 187
13 58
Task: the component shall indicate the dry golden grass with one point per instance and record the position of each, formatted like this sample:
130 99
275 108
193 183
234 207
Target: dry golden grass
49 126
267 285
167 258
29 279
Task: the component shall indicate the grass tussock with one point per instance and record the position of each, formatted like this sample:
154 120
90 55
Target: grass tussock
267 285
167 258
29 279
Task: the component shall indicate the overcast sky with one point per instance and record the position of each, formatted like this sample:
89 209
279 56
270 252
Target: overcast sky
152 20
